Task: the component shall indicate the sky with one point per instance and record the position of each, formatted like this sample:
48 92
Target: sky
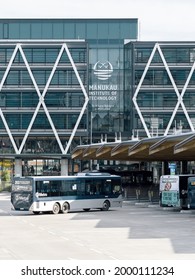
159 20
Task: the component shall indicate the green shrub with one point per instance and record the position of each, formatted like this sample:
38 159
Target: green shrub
5 176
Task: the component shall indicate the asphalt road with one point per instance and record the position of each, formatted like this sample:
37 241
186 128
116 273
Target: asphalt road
133 232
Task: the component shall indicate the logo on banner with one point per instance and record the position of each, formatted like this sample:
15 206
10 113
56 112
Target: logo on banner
103 70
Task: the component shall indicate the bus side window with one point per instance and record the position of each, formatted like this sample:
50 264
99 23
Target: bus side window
63 189
98 189
89 187
45 188
38 187
107 188
116 189
81 188
69 187
55 188
74 188
41 187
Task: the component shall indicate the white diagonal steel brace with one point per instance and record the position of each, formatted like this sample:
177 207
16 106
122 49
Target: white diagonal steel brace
182 94
179 96
85 103
138 88
38 105
44 93
41 99
1 113
175 88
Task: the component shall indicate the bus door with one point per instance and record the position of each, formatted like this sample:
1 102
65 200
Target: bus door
22 193
191 192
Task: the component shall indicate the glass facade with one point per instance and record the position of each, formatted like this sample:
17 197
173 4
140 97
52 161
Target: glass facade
41 93
106 91
43 88
105 38
162 87
88 29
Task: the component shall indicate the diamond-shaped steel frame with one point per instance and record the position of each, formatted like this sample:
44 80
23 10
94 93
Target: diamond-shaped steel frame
157 47
64 47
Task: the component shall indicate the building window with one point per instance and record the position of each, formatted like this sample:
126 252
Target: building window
5 31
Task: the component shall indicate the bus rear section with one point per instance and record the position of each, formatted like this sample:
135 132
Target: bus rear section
174 190
22 193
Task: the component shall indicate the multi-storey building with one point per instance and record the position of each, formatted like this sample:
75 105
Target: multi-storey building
161 79
61 84
65 82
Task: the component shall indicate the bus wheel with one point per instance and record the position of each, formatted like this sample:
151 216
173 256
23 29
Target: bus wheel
56 208
65 208
86 209
105 205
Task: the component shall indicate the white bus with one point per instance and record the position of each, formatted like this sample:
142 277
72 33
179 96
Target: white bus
65 193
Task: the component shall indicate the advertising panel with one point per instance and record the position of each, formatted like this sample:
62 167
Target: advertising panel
169 183
169 186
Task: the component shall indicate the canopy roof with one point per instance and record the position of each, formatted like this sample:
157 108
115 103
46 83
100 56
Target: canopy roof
171 147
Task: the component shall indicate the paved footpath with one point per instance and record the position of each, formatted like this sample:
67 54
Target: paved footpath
137 231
